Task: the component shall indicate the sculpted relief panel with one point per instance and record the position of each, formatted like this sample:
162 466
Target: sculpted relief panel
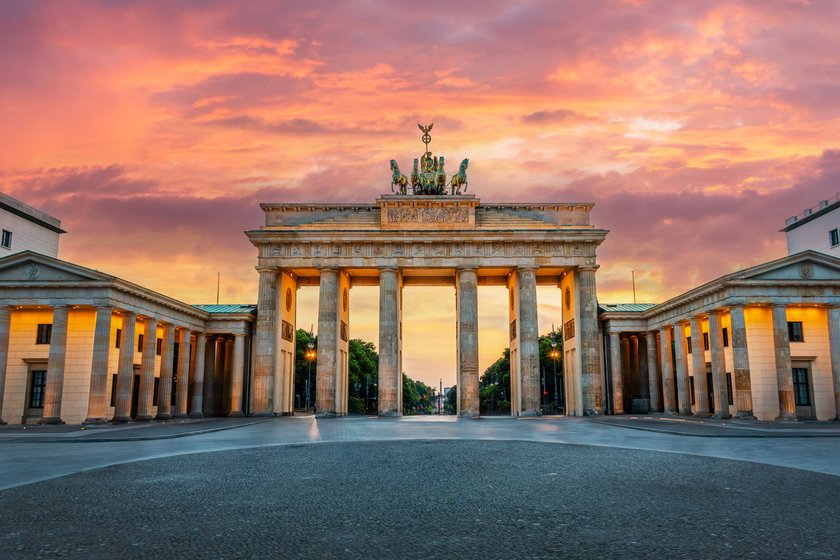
428 215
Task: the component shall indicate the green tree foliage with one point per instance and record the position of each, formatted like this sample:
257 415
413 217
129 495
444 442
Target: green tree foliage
363 364
494 384
451 404
364 377
417 397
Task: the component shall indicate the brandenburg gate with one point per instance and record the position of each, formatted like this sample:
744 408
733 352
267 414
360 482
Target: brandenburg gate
432 235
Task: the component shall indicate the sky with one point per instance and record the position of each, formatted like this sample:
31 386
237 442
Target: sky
153 130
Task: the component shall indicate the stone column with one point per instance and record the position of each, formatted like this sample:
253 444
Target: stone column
265 339
681 367
227 377
55 367
718 365
197 377
390 374
327 343
833 344
5 332
626 373
147 372
529 346
654 379
209 375
740 363
125 370
784 371
167 358
698 369
237 376
589 344
182 389
635 372
98 395
642 366
219 376
467 309
615 370
668 404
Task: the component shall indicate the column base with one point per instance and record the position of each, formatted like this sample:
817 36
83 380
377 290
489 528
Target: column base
2 423
235 414
144 418
745 415
618 413
163 417
180 415
473 415
529 413
721 416
263 414
94 421
51 420
196 415
786 418
121 420
391 414
702 414
326 415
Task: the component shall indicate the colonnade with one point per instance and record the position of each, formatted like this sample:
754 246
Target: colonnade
210 369
333 324
650 368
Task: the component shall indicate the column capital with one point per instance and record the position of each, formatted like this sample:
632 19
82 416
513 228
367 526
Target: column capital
328 269
389 269
238 335
738 305
267 269
716 312
588 268
775 305
126 313
466 268
527 268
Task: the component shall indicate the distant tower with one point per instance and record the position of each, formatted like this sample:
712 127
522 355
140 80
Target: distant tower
27 229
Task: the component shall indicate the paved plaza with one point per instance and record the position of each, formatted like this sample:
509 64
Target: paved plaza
423 487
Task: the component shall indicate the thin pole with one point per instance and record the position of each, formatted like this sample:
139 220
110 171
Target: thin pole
218 283
633 274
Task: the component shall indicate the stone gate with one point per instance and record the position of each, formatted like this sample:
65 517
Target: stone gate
440 239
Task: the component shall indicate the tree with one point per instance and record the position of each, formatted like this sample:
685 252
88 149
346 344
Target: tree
451 405
363 364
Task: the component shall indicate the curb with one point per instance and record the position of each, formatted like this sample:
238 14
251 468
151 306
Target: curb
779 435
85 439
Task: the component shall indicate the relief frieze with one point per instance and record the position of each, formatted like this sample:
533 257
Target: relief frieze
428 215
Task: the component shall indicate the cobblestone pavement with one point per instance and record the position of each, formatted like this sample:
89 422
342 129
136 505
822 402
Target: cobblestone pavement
411 498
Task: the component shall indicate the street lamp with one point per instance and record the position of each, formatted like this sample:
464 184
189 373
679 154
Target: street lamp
554 353
310 357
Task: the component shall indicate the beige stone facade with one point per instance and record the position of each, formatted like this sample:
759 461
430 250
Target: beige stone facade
78 345
427 240
759 343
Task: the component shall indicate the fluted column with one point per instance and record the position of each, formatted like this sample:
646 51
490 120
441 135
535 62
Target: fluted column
626 372
197 377
5 332
718 365
227 377
467 308
167 358
147 372
669 406
529 348
182 389
698 368
237 376
834 348
740 363
784 371
209 376
681 368
55 367
390 374
219 377
265 339
125 370
615 371
327 342
654 379
589 344
98 395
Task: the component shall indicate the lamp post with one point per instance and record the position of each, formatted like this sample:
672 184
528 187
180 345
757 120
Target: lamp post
554 355
310 357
